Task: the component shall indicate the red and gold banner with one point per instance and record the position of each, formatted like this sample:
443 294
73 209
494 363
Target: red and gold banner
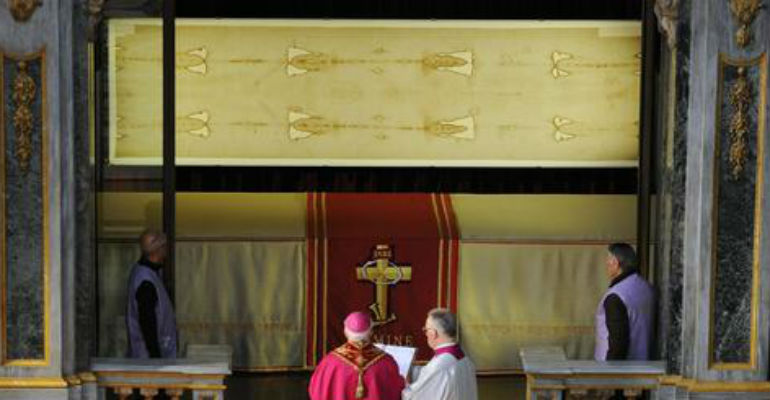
394 255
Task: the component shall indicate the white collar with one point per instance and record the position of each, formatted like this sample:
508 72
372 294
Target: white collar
450 344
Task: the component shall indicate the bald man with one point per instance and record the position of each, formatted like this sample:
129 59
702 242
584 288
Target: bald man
150 316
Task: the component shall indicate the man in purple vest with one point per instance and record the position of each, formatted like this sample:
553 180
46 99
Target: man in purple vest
624 315
150 316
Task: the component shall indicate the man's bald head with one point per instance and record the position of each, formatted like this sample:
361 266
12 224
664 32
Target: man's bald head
153 245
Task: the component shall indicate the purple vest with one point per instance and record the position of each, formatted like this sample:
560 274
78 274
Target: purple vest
637 296
164 314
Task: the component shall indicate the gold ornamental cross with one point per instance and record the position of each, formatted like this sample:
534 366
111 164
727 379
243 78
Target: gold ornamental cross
382 272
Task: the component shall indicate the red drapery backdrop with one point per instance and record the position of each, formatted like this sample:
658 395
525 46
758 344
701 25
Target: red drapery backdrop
343 229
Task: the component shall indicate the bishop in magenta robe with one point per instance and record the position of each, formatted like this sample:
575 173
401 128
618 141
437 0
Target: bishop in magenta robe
357 369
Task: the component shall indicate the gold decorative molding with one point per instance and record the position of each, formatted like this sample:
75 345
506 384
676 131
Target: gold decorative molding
73 380
4 360
175 394
32 383
739 93
166 386
740 100
744 11
45 382
124 392
714 386
667 12
87 377
274 369
22 10
670 380
23 96
148 393
153 375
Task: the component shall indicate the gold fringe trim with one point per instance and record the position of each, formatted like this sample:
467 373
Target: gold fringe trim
360 389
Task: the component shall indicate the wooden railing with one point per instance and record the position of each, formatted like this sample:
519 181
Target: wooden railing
204 378
550 375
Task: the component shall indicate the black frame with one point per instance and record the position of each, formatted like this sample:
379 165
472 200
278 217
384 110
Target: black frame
171 178
169 142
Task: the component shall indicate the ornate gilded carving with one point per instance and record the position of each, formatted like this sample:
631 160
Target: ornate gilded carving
23 96
94 17
22 10
740 99
24 336
737 214
124 392
667 12
744 11
148 393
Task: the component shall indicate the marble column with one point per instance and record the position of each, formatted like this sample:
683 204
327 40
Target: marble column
84 13
46 216
671 140
713 248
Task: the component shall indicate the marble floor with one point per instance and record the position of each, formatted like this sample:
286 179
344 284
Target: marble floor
293 386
